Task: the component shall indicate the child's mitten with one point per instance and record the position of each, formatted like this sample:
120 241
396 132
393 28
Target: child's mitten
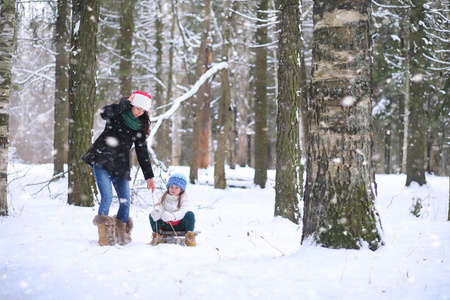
156 212
167 216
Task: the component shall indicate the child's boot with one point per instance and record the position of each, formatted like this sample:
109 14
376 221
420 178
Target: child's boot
156 239
105 227
190 239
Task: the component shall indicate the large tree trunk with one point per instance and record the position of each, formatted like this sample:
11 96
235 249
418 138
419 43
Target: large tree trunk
224 117
7 19
81 99
61 125
339 207
416 152
260 104
287 186
198 106
163 146
125 46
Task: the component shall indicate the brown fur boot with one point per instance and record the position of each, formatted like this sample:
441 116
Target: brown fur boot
123 231
156 239
105 225
190 239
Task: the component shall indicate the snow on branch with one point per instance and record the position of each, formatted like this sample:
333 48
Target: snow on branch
35 73
176 104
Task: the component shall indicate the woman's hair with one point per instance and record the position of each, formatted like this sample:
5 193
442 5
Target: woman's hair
145 122
163 198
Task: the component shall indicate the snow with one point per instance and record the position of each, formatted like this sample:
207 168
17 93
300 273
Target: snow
49 249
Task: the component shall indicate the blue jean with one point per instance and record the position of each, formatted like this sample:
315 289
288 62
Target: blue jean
122 186
186 224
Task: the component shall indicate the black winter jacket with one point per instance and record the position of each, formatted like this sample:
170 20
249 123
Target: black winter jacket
111 150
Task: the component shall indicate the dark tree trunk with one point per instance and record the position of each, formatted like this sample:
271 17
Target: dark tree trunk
61 125
416 152
198 106
163 146
125 46
339 209
260 103
387 152
224 117
81 99
287 188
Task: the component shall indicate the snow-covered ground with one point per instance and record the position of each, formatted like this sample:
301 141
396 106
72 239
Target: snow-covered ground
49 250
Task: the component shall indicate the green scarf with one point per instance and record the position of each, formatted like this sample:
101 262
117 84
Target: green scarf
130 120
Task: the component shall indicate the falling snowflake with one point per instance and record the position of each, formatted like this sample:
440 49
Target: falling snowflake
348 101
112 141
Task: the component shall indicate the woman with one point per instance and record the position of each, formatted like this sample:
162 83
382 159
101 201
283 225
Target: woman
127 122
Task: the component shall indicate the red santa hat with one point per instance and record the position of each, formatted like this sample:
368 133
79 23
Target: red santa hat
142 100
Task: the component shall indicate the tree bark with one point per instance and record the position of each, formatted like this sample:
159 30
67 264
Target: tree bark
163 145
7 20
198 106
339 209
303 99
224 116
416 152
204 148
176 119
61 125
125 46
287 185
242 101
81 99
260 104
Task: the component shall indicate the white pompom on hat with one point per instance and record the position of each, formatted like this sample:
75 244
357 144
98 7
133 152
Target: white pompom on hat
142 100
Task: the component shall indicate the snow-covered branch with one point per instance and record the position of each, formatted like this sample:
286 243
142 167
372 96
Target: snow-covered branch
35 73
176 104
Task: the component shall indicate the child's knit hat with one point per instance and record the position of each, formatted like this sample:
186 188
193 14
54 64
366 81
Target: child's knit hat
142 100
178 180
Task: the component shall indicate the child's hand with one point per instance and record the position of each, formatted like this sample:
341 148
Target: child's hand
158 208
156 212
167 217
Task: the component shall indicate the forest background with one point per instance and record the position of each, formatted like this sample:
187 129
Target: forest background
164 48
165 28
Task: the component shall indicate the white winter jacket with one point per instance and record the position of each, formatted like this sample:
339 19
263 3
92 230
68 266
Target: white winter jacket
171 206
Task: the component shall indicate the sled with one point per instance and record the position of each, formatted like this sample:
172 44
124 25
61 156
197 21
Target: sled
175 237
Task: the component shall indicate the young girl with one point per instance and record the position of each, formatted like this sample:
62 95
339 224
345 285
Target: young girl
173 213
127 123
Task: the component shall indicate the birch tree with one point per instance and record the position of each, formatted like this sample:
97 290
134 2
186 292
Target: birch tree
7 21
339 209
